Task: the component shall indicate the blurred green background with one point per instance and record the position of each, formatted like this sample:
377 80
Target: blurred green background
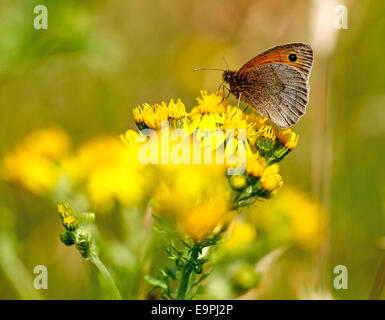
99 59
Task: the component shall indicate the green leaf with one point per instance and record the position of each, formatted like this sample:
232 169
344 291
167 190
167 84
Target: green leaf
156 282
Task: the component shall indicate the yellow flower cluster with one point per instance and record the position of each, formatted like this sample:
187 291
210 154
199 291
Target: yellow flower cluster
201 212
109 171
196 197
104 169
35 162
241 234
151 117
199 197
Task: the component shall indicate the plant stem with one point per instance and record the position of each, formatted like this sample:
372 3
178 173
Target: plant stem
186 273
183 286
16 271
107 276
379 282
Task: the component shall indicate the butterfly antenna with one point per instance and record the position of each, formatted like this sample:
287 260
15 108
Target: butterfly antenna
199 69
228 68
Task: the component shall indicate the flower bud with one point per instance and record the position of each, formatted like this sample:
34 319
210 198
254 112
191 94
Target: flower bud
67 237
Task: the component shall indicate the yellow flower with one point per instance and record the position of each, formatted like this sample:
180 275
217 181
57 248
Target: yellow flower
241 234
256 119
137 114
176 110
35 162
307 219
255 165
265 140
148 116
210 112
64 210
268 132
70 222
234 120
187 193
203 219
52 143
213 103
130 138
110 171
238 181
288 139
152 116
196 197
271 180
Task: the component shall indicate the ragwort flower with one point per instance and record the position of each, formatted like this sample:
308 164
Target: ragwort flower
109 170
35 163
215 127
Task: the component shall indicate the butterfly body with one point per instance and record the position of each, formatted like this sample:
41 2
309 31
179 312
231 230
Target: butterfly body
275 83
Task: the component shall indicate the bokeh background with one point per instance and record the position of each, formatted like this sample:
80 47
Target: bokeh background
99 59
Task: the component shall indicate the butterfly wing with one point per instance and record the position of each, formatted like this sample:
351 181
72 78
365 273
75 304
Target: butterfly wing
275 82
277 91
298 55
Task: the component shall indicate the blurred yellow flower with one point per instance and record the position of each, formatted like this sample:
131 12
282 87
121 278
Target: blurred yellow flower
308 220
196 197
292 216
110 171
35 162
240 234
202 220
130 138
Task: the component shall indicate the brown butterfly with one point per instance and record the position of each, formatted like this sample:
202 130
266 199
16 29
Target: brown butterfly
275 82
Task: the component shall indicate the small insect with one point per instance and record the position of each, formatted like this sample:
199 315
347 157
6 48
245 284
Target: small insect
275 82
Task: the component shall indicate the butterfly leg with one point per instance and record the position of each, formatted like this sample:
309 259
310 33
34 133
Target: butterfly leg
220 87
239 100
223 96
229 92
223 92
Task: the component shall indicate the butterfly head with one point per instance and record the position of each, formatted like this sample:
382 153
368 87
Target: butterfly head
228 76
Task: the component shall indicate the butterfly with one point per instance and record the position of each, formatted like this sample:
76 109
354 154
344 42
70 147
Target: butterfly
275 83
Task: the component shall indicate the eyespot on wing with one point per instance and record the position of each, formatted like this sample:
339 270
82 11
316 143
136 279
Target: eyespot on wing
298 55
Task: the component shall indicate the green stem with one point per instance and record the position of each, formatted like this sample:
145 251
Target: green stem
183 286
107 276
379 282
15 270
186 273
